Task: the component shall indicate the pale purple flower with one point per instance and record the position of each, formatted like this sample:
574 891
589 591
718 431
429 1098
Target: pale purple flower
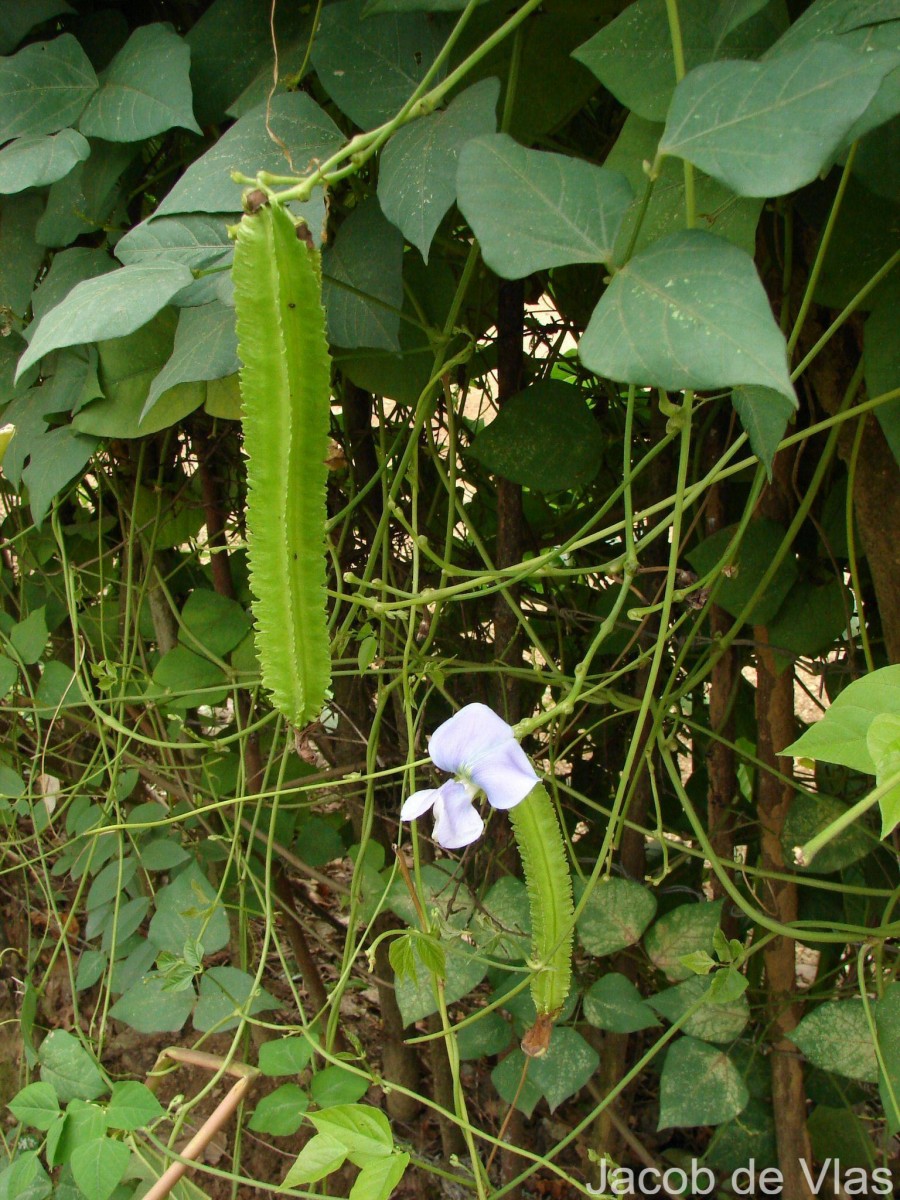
479 749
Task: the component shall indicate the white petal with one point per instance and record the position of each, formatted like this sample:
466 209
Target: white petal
418 803
506 775
473 731
457 823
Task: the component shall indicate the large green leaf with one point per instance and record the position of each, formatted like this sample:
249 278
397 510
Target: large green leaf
768 128
188 679
541 53
747 566
82 201
811 619
719 210
20 254
857 25
99 1165
280 1113
371 7
711 1022
231 43
632 55
133 1106
371 68
531 210
545 438
616 914
700 1085
688 312
195 241
836 1037
566 1067
882 360
205 348
614 1003
887 1025
808 816
416 996
840 735
45 87
57 459
149 1008
18 19
34 160
362 280
216 622
226 991
128 366
187 909
428 292
417 174
144 91
110 306
198 241
296 119
69 1068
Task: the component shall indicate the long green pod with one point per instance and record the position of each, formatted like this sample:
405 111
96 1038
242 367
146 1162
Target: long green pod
285 392
546 868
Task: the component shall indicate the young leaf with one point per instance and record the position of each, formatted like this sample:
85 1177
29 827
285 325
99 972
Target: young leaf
681 931
364 1131
377 1180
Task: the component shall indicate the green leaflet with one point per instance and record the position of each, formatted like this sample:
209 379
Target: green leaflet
285 389
549 884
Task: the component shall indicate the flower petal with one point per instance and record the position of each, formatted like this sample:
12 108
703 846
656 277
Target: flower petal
418 803
456 823
473 731
505 775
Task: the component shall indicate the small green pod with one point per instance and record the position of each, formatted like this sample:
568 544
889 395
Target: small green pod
286 399
546 868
